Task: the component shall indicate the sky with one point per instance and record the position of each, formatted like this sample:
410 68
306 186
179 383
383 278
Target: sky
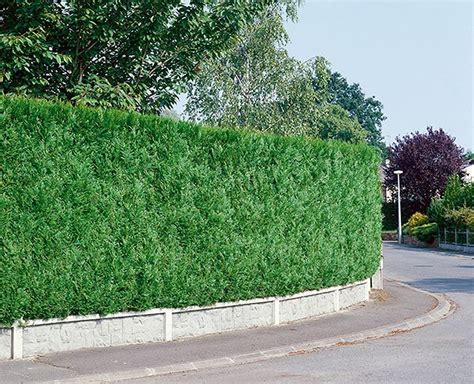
415 57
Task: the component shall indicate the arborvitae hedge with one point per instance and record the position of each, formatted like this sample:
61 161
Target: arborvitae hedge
106 211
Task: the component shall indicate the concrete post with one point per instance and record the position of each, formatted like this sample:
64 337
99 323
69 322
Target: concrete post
376 281
168 325
16 342
276 311
337 306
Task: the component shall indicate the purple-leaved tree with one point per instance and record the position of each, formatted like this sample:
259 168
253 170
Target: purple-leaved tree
427 160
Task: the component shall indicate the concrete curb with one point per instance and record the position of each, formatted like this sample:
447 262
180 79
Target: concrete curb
443 309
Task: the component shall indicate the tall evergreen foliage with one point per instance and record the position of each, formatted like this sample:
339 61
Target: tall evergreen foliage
105 211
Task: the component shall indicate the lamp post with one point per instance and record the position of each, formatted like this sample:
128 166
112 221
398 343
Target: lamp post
398 173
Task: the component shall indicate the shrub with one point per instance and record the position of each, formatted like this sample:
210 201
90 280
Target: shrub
456 207
426 232
405 229
462 217
436 211
416 220
106 211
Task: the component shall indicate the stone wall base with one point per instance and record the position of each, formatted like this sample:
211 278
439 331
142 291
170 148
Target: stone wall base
75 332
411 240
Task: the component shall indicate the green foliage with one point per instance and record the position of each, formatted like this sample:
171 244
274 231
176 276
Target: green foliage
419 226
368 111
458 194
416 220
426 232
461 218
106 211
456 197
333 122
405 229
130 54
257 85
436 211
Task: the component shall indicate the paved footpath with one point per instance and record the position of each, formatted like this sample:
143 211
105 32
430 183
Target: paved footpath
440 352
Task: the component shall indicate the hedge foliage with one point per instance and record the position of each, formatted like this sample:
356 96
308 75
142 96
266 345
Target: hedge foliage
106 211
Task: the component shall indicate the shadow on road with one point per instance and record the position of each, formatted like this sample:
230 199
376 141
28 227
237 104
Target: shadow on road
464 285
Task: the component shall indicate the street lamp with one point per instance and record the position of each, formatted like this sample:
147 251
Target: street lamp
398 173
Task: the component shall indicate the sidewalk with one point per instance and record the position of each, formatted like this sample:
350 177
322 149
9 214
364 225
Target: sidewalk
397 309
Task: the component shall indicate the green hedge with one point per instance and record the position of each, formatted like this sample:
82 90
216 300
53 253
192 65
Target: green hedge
106 211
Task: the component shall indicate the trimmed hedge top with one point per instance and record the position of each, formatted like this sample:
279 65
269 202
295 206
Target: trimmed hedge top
106 211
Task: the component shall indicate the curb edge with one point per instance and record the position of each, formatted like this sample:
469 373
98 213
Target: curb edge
443 309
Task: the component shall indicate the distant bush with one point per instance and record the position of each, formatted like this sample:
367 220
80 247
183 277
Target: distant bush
426 232
436 211
106 211
456 207
461 218
405 229
416 220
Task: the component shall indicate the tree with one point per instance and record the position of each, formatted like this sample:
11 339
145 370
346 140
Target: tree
367 110
427 160
469 155
334 122
132 54
257 85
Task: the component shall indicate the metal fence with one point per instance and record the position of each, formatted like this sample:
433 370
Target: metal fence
456 237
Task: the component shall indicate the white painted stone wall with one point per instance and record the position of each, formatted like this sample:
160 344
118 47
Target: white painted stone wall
353 294
76 332
102 332
197 322
319 303
5 343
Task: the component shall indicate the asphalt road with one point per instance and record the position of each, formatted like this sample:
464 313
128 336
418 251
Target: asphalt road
439 353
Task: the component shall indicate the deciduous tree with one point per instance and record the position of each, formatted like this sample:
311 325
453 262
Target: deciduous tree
257 85
427 160
135 54
367 110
